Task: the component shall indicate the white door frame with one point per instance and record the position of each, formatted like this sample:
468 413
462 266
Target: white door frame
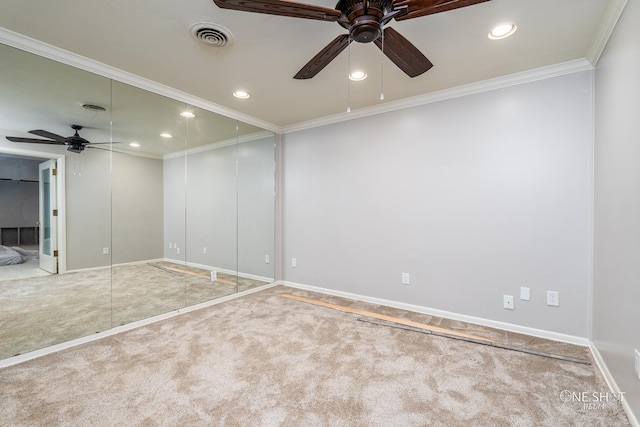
62 212
48 211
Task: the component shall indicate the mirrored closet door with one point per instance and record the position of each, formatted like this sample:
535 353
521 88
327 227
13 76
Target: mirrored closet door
175 208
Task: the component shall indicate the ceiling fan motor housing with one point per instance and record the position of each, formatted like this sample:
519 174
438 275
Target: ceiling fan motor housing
363 19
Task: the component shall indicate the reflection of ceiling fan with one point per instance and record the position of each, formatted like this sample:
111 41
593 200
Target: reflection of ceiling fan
75 143
365 20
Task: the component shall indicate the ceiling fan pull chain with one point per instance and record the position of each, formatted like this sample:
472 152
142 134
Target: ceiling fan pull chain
77 166
382 65
348 73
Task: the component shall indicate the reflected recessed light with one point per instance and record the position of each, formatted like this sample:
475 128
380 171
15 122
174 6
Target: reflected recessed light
187 114
241 94
357 76
134 144
166 135
502 31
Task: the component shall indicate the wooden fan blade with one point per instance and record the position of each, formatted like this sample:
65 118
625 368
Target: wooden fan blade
323 58
33 140
50 135
282 8
428 7
402 53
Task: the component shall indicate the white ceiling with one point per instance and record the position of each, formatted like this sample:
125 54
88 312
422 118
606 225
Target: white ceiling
151 39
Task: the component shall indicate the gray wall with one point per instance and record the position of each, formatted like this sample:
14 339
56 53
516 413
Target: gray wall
174 181
474 197
617 204
137 214
256 215
228 211
212 208
122 211
18 200
88 204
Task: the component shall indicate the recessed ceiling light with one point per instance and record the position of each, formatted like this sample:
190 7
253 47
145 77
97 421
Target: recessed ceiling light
241 94
134 145
502 31
187 114
357 76
166 135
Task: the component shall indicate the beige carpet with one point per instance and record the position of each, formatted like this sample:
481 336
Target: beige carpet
27 269
44 311
264 360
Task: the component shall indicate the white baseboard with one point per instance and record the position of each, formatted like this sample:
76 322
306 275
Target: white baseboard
220 270
102 267
613 385
179 261
556 336
80 270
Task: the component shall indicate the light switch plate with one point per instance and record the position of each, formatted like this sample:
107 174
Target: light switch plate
525 293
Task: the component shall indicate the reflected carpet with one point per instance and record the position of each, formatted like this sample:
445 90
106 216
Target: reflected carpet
43 311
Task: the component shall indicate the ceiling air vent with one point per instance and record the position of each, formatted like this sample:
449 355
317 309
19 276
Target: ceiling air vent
210 34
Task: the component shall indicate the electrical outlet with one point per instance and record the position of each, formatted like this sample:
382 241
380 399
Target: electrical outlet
553 298
294 262
214 276
105 251
637 364
204 250
178 251
507 302
266 259
525 293
406 279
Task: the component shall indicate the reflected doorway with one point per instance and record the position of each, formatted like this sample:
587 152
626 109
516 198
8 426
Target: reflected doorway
30 197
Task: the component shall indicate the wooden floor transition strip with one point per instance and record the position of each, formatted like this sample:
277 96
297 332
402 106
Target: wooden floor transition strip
481 341
405 322
192 273
396 322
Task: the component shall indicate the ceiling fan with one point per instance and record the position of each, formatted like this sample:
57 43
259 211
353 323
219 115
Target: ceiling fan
365 21
76 143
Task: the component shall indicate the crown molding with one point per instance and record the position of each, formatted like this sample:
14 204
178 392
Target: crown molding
215 145
455 92
45 50
48 51
605 29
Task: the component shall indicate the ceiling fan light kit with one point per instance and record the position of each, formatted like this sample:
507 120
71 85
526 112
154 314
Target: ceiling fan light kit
365 21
